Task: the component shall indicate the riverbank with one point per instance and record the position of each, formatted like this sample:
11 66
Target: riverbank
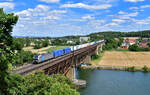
132 69
120 60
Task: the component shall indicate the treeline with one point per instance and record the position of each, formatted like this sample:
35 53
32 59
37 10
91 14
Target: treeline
113 34
111 43
75 39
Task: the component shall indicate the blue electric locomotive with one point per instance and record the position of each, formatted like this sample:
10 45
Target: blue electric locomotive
43 57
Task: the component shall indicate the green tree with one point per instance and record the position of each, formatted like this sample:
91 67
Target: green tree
7 21
148 44
23 57
17 44
110 44
134 47
45 43
37 45
145 69
27 42
40 84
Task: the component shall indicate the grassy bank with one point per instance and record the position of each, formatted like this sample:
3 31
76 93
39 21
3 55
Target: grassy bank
95 62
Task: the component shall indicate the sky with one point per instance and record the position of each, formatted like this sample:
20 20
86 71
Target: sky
57 18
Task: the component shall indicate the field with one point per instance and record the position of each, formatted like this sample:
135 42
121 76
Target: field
44 50
125 59
55 48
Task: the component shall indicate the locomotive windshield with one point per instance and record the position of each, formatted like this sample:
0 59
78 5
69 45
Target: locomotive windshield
36 57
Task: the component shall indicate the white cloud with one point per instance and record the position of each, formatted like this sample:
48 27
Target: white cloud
36 11
81 5
142 22
50 1
96 23
145 6
118 20
125 15
132 14
112 24
59 11
88 17
7 5
133 8
51 17
128 14
121 12
134 1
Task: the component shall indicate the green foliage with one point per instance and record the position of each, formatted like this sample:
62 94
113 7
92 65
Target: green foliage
37 45
133 68
17 44
110 44
27 42
57 41
95 56
133 47
145 69
24 56
7 21
148 44
41 84
45 43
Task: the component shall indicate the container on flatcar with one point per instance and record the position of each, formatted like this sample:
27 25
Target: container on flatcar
67 50
57 53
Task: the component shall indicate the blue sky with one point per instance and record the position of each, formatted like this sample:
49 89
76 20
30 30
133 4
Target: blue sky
57 18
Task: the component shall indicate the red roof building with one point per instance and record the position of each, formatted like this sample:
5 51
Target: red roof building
143 45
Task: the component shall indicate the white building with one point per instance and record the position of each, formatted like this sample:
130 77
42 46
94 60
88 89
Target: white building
84 39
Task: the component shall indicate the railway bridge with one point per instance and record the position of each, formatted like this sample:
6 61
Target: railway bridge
64 64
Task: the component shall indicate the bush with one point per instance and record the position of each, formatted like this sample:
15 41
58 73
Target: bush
95 56
45 43
40 84
134 47
37 45
24 56
145 69
131 69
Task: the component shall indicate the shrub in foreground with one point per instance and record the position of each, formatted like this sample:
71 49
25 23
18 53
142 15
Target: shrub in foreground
41 84
131 68
145 69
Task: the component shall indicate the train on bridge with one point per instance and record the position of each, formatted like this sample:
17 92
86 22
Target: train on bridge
54 54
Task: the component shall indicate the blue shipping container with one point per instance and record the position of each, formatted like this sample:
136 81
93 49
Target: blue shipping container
57 53
67 50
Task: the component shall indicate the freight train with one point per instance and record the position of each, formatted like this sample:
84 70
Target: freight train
54 54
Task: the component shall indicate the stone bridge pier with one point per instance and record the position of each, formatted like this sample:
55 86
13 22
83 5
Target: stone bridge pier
83 59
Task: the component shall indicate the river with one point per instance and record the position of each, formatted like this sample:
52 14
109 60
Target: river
107 82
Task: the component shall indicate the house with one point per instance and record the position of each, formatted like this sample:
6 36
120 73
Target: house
124 46
127 42
70 42
143 45
117 39
84 39
130 41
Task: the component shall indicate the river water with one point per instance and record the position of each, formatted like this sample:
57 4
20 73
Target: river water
107 82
